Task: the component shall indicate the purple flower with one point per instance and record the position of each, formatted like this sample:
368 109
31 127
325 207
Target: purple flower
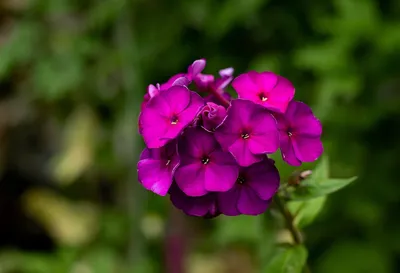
212 116
300 134
268 89
248 132
208 83
202 206
214 99
204 166
156 168
253 191
167 114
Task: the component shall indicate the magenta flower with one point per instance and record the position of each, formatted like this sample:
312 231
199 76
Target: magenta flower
268 89
202 206
212 115
167 114
204 166
253 191
248 132
195 69
300 134
208 83
156 168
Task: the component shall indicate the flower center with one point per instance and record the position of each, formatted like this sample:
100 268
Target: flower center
174 120
289 133
205 160
168 162
240 180
263 97
245 135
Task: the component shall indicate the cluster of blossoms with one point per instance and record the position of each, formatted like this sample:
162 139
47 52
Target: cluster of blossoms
209 152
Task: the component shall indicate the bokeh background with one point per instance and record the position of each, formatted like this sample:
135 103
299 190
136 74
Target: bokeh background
72 76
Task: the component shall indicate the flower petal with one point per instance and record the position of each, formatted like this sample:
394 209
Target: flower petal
245 87
227 202
221 173
307 149
287 150
155 176
263 178
194 206
244 157
302 119
191 179
249 203
281 94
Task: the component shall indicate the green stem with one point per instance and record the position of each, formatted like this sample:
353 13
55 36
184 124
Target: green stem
289 220
296 234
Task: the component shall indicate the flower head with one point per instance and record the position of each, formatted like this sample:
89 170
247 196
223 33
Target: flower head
267 89
212 115
167 114
204 166
202 206
252 193
156 168
300 134
248 132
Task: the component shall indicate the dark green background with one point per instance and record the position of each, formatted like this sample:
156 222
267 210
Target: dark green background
72 76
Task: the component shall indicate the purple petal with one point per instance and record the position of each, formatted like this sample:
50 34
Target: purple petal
302 119
221 173
249 203
287 150
266 80
245 87
222 83
227 202
155 175
196 68
237 119
244 157
178 98
182 81
306 148
263 178
145 154
194 206
188 114
264 137
282 94
171 80
196 143
191 179
152 90
204 82
226 72
153 126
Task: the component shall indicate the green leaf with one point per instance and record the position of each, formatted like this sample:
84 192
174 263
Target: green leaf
288 260
319 183
306 211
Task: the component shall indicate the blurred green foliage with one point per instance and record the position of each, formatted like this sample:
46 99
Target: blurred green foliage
72 76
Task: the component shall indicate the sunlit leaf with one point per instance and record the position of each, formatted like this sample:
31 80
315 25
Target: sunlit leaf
306 211
319 183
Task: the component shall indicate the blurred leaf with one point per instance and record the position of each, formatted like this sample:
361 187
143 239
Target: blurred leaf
306 211
354 257
287 260
69 223
80 136
319 183
238 229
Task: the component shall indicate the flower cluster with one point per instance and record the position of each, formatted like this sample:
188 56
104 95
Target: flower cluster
208 151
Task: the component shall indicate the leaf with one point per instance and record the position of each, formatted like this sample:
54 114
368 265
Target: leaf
319 184
288 260
306 211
